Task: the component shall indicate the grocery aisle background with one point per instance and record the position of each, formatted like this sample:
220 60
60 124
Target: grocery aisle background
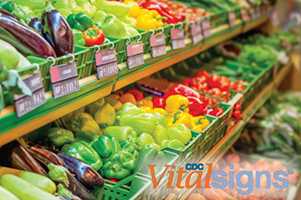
114 100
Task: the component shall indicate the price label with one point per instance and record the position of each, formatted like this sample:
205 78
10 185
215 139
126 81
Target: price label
135 54
256 13
64 79
25 104
106 63
65 87
158 51
245 15
197 38
135 61
1 98
177 39
232 19
158 44
206 27
107 70
157 40
195 28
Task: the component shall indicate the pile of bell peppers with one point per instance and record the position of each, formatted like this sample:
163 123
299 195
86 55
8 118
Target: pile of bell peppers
170 17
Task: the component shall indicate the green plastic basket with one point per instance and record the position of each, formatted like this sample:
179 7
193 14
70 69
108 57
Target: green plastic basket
130 188
160 161
82 58
185 154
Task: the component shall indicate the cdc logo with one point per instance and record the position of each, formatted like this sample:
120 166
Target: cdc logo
194 166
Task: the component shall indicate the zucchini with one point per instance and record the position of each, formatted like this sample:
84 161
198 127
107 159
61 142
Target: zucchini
24 190
39 181
6 195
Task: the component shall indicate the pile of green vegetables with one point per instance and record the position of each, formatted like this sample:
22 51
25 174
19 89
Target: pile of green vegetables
275 131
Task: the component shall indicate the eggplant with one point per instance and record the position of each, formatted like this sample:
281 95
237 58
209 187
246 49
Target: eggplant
36 24
57 32
46 157
83 172
5 12
23 38
21 158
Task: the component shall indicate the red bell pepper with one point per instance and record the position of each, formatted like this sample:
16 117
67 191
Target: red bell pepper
137 94
163 10
197 109
217 111
93 36
158 102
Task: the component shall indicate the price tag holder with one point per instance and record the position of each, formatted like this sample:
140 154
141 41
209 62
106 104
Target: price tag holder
135 55
1 98
64 79
25 104
206 28
256 13
245 15
196 32
158 45
232 19
106 63
177 39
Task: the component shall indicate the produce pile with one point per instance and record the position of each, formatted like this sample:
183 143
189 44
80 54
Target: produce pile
275 130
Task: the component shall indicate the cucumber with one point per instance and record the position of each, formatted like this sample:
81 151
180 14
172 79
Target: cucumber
39 181
24 190
6 195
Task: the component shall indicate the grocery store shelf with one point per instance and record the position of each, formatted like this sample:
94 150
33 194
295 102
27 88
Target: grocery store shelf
92 89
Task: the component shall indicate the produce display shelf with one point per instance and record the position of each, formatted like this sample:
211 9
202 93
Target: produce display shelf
92 89
233 133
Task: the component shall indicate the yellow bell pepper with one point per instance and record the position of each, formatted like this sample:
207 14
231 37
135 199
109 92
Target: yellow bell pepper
200 123
160 111
147 109
176 103
183 118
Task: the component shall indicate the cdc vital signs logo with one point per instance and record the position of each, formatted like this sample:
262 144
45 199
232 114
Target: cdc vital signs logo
206 176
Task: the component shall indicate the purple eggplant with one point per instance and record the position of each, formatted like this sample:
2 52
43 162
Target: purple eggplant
57 32
84 173
23 38
36 24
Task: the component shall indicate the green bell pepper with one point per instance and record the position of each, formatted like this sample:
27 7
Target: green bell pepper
106 146
113 169
84 152
143 122
121 133
8 6
78 37
79 21
179 132
129 109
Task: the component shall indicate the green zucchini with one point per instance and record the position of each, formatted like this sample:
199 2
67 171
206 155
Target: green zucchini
6 195
39 181
24 190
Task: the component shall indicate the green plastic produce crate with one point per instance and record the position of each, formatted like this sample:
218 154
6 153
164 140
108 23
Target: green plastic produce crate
126 189
185 154
224 117
209 141
159 161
